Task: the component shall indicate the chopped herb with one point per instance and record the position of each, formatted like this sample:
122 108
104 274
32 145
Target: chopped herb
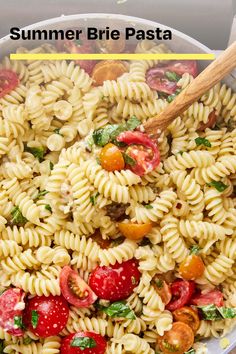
18 322
148 206
180 152
83 342
128 160
190 351
93 198
220 186
3 291
17 217
27 340
48 207
57 131
37 152
202 141
41 194
195 249
116 242
98 160
133 280
170 98
172 76
132 123
170 347
213 313
51 165
34 318
89 143
78 42
159 283
119 309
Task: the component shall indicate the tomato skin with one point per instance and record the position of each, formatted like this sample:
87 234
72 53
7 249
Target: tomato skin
214 297
134 231
107 70
184 66
179 339
160 84
143 165
111 158
192 267
69 276
163 290
53 313
8 81
8 310
189 316
210 123
115 282
67 349
182 291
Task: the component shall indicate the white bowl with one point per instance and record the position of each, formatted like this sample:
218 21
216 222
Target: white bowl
181 43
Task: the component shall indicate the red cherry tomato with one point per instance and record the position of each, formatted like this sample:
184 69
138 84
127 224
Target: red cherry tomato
8 81
11 308
214 297
146 154
182 291
115 282
74 289
82 46
160 84
210 123
46 316
92 344
183 66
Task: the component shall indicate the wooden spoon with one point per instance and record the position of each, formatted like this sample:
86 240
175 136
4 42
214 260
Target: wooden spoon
216 71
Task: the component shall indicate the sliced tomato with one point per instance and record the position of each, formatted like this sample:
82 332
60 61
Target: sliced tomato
134 231
111 158
82 46
163 289
189 316
11 308
192 267
107 70
213 297
210 123
143 151
178 340
83 343
74 289
160 84
182 291
46 316
112 45
8 81
115 282
183 66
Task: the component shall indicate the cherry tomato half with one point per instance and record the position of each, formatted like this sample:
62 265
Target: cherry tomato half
192 267
160 84
178 340
8 81
143 162
163 289
11 308
115 282
46 316
182 291
74 289
112 45
107 70
189 316
183 66
213 297
134 231
210 123
83 343
111 158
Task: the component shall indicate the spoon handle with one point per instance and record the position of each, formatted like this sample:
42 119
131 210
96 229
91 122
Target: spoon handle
218 69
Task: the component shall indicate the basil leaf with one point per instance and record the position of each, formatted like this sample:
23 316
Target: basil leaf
34 318
17 217
83 342
93 198
212 312
37 152
57 131
172 76
220 186
148 206
132 123
51 165
119 309
202 141
27 340
190 351
129 160
195 249
18 322
170 98
48 207
159 283
41 194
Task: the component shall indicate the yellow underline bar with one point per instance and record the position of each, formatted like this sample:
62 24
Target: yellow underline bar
101 56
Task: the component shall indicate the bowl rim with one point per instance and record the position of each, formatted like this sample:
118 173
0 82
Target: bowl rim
98 15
